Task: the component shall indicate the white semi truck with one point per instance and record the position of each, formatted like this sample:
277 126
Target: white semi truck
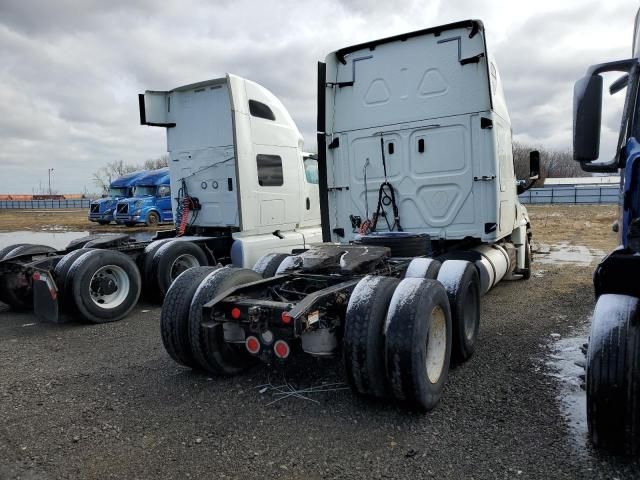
420 216
243 185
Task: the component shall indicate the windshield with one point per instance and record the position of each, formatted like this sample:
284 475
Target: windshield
142 190
118 192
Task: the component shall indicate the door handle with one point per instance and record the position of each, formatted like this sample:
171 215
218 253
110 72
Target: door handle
308 204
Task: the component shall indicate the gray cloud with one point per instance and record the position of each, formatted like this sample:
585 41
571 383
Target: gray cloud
70 71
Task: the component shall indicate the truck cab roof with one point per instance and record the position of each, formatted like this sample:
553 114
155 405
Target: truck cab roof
127 180
154 177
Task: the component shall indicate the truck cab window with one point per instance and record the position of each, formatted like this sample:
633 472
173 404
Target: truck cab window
260 110
269 170
311 170
164 191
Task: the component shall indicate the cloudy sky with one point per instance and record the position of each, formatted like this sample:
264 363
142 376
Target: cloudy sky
70 70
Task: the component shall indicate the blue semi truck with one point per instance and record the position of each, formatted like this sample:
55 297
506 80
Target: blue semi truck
102 210
613 354
150 203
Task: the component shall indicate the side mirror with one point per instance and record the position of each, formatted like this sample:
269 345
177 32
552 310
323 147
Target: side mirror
534 165
587 117
619 84
277 233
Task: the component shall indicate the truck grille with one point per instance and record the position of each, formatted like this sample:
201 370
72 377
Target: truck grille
95 208
123 208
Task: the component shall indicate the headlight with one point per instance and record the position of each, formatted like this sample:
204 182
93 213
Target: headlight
138 204
137 212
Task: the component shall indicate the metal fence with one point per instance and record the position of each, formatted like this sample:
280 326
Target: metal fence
572 194
44 204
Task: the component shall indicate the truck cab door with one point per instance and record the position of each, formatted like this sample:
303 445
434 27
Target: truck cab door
163 202
310 192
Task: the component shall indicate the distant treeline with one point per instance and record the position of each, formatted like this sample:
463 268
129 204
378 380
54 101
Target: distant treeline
553 163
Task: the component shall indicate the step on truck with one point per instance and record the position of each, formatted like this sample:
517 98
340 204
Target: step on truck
420 216
613 353
150 203
242 187
103 209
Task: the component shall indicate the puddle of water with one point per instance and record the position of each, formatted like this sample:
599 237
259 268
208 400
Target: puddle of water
564 252
564 364
56 239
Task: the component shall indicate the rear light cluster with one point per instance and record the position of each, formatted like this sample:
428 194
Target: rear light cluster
280 348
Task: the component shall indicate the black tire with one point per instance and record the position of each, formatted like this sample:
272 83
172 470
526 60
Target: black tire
208 346
363 343
460 279
166 266
153 219
61 277
418 315
613 375
103 222
423 268
401 244
174 316
145 263
5 250
130 224
268 264
28 249
89 298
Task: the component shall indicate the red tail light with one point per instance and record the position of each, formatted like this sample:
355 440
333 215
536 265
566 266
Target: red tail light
235 313
281 349
286 318
252 344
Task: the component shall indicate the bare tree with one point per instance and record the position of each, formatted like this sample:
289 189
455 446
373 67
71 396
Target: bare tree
112 170
553 163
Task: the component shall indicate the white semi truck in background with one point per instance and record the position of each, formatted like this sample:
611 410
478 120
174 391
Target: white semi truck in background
243 187
420 215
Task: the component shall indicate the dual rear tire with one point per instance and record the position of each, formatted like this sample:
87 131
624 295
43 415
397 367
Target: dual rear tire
99 286
183 335
399 335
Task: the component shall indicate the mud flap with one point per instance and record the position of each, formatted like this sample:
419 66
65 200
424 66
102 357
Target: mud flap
45 296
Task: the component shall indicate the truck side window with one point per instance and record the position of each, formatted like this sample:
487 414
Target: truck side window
269 170
260 110
311 170
164 191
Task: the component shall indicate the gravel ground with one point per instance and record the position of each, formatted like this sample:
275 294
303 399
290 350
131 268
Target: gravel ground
106 401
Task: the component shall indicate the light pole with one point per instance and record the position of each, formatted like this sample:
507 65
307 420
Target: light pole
50 170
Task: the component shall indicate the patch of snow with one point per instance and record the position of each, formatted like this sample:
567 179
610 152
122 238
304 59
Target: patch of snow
289 263
451 273
564 252
405 290
364 291
262 262
418 267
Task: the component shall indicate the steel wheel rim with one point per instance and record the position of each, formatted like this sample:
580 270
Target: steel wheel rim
470 313
153 219
436 345
181 263
109 286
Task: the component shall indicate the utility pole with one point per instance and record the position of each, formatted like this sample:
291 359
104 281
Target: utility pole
50 170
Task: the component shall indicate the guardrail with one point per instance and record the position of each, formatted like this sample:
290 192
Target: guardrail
573 194
45 204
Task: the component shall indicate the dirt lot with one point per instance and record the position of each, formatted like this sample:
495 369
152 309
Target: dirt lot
79 401
73 219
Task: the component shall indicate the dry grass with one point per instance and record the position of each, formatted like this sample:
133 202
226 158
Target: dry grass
588 225
42 220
